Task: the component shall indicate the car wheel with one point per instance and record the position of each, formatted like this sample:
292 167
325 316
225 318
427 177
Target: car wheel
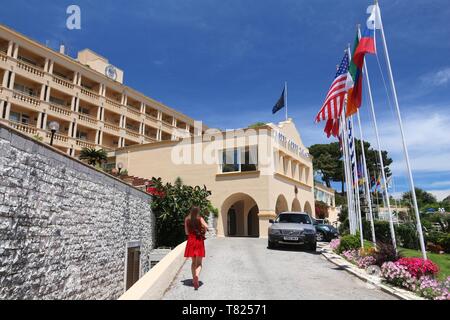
320 236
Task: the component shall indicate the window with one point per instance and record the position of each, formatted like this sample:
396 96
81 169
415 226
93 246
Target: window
58 101
14 116
82 135
239 159
27 60
84 110
24 89
19 117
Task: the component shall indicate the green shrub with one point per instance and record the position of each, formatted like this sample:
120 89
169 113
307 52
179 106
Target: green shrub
382 231
407 236
349 242
444 242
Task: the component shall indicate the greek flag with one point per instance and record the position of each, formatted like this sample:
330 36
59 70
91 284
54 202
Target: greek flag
352 152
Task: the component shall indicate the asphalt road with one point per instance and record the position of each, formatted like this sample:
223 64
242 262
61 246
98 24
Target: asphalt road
243 268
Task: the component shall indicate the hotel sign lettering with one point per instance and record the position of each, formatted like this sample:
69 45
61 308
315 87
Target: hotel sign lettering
289 144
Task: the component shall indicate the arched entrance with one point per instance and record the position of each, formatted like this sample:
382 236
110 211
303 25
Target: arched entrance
296 205
240 216
308 209
281 205
253 222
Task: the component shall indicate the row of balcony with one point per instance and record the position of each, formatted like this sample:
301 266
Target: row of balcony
65 113
29 67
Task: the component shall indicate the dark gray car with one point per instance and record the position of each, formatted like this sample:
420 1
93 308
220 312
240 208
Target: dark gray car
292 228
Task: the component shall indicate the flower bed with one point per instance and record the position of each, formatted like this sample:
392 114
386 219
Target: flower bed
414 274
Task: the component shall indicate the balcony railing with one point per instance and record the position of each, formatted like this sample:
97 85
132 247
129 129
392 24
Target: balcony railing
3 56
29 68
62 82
111 127
89 93
133 134
24 128
87 119
113 103
58 137
26 98
63 111
85 144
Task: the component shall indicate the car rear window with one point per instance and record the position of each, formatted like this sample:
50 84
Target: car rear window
294 218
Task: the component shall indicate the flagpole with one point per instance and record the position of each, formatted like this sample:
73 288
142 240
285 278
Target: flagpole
355 175
351 203
286 98
369 90
366 182
405 149
344 155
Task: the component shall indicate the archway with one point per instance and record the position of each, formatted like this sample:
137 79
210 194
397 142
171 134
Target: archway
239 213
296 205
308 208
281 205
253 222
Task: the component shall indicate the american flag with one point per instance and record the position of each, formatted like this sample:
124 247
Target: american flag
332 107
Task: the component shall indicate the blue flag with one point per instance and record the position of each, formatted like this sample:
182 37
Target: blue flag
280 104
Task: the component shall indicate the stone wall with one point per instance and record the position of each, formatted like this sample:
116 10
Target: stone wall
64 226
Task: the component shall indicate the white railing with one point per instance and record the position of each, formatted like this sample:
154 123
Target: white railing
29 68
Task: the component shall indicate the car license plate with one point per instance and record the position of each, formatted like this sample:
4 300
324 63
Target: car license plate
291 238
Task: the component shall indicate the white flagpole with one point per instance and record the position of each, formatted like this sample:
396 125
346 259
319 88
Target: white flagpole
369 90
405 149
358 200
366 181
351 205
286 98
344 155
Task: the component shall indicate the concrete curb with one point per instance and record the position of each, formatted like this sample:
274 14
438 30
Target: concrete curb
362 275
154 283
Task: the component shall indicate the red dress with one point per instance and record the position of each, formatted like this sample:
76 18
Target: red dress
195 246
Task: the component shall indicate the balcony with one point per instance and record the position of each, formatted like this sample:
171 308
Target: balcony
62 83
59 111
58 140
115 106
29 100
111 128
30 69
27 129
133 114
85 144
90 94
87 121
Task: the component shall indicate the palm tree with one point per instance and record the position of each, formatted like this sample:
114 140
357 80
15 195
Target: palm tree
93 156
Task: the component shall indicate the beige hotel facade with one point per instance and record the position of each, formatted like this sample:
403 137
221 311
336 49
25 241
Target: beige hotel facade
86 96
251 178
253 173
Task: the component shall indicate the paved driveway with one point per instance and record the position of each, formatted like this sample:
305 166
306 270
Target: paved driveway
243 268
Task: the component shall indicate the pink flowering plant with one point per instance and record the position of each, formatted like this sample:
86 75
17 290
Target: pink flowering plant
334 244
398 275
355 257
419 267
431 288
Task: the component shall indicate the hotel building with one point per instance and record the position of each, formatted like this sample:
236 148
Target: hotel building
85 96
254 173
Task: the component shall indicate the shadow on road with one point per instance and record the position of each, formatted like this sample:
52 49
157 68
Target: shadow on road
189 283
297 248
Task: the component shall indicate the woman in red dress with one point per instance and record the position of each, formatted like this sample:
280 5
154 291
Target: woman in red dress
195 228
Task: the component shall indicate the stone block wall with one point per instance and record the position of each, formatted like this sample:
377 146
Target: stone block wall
64 226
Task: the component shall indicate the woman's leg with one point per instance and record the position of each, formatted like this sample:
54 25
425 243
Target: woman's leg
198 264
193 266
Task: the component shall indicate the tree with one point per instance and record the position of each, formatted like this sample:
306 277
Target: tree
321 210
93 156
424 198
171 204
328 160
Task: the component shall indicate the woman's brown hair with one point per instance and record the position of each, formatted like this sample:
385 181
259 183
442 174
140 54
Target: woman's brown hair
194 223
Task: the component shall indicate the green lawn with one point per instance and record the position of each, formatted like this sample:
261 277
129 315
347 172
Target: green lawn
442 260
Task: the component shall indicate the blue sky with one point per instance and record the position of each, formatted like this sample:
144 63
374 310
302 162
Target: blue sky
225 62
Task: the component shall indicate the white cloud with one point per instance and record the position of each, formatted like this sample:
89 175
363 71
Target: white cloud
440 194
439 78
